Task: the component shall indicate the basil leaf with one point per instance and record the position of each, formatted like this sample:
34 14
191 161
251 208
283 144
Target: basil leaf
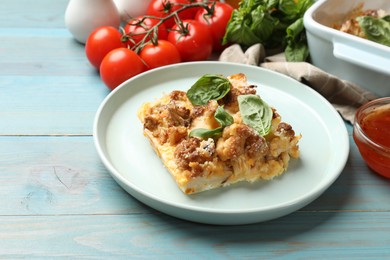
295 29
303 5
255 113
209 87
272 4
375 29
290 10
267 22
296 49
296 52
250 24
222 117
206 133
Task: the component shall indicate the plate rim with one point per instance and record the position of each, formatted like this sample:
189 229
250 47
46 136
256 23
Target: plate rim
126 184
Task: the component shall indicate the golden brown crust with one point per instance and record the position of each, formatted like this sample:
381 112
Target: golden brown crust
193 150
238 140
239 87
239 154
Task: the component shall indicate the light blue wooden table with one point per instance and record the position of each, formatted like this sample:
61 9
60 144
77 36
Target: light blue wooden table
58 200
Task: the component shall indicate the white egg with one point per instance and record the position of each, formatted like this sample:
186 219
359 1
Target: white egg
83 16
131 8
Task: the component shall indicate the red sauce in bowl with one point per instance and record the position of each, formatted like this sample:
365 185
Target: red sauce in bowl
376 125
372 135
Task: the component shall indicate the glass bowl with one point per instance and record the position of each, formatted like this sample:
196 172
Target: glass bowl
371 132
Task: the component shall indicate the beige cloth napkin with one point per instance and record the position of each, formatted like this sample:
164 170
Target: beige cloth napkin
343 95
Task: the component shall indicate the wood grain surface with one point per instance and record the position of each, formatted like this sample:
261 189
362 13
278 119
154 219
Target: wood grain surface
57 200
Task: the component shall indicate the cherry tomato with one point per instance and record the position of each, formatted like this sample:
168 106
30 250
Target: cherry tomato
100 42
164 53
217 22
119 65
194 10
194 43
162 8
136 29
233 3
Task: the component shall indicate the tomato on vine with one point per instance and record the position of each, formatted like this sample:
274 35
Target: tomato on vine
217 18
161 54
193 40
147 43
100 42
119 65
137 29
163 8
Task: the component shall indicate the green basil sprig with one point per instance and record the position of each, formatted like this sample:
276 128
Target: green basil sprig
297 48
209 87
271 23
222 117
255 113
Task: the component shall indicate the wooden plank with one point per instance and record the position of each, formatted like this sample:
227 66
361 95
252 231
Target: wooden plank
43 53
38 94
58 175
49 105
32 14
303 235
357 188
64 175
58 200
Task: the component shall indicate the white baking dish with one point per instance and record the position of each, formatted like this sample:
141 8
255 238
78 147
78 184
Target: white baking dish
346 56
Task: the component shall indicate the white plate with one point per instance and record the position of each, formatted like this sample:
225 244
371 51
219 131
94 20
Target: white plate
132 162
